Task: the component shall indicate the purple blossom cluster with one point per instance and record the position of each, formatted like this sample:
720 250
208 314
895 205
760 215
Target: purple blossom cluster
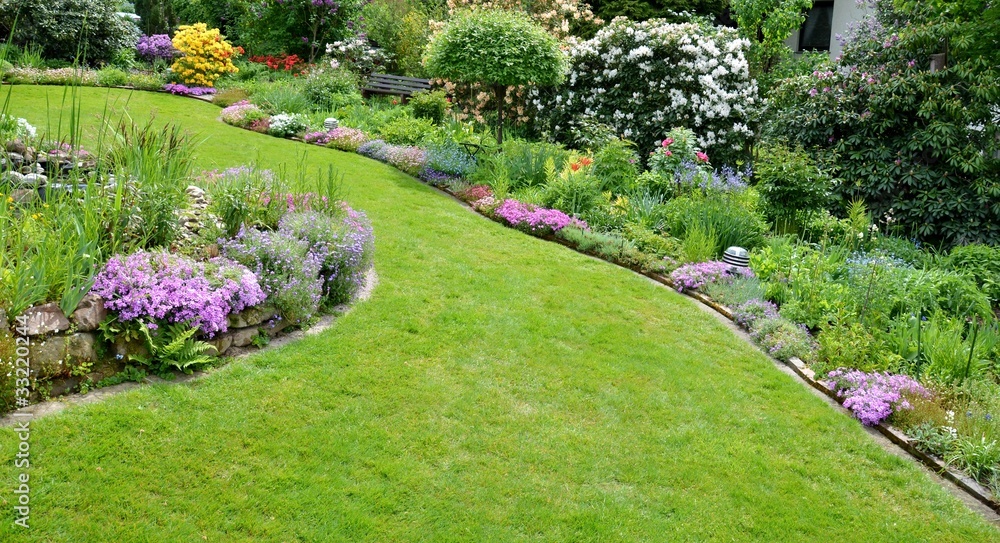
184 90
156 46
157 286
408 159
287 270
693 276
873 397
436 178
689 175
317 138
537 220
374 149
749 312
346 139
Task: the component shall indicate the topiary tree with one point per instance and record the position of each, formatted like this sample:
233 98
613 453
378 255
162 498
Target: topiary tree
497 48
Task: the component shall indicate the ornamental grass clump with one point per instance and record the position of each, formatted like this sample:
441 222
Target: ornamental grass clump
693 276
874 397
155 287
534 219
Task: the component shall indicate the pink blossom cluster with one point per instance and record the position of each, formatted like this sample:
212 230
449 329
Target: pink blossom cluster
538 220
873 397
697 275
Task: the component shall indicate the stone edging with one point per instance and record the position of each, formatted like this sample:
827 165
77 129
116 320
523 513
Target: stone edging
234 348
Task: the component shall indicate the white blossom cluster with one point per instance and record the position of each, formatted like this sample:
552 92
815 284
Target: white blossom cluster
645 78
287 124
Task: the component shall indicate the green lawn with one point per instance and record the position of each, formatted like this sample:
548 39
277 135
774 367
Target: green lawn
495 388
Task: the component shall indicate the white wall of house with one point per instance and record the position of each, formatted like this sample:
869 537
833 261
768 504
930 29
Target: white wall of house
844 12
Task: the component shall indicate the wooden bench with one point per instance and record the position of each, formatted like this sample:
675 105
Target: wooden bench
398 85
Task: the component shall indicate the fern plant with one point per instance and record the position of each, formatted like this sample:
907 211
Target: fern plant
172 346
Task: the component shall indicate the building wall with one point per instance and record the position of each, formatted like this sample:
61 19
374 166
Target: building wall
844 11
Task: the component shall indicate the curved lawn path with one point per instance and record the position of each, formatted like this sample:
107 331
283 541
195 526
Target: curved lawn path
495 388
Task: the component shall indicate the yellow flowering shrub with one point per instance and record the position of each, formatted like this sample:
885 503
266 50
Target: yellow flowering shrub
207 56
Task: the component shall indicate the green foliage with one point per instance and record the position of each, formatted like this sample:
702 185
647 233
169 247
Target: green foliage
430 105
145 81
783 339
794 188
495 47
767 24
227 97
158 161
981 263
324 87
520 163
851 346
406 130
574 191
172 346
671 10
722 219
299 27
652 243
401 28
162 16
90 31
112 77
283 97
610 247
735 292
916 146
616 166
236 199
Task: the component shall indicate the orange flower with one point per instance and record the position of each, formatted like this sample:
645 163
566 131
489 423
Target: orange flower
574 166
586 161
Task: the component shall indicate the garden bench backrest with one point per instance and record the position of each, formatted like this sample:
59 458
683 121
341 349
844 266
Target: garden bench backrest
395 84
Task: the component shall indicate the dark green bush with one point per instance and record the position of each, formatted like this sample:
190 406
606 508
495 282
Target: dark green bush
67 29
430 105
794 188
406 131
981 263
322 87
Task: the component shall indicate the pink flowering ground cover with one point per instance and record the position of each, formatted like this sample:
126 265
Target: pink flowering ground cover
873 397
533 219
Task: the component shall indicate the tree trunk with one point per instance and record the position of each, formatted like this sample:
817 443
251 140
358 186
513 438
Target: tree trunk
500 91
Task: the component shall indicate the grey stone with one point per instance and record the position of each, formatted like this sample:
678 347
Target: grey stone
127 351
48 357
276 328
81 347
13 178
90 313
244 336
4 322
44 319
16 158
16 147
220 344
35 179
251 316
24 196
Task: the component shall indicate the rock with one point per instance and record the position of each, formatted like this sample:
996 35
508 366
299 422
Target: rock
15 179
35 180
29 156
44 319
16 147
16 158
24 196
42 158
276 327
81 347
90 313
252 316
244 336
220 344
4 322
127 351
48 357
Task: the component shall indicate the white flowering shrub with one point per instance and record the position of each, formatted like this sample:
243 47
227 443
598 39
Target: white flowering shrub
16 128
645 78
285 125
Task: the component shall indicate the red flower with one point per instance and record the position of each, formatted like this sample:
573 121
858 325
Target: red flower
574 166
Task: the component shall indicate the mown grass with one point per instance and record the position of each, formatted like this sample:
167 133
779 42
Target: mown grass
495 388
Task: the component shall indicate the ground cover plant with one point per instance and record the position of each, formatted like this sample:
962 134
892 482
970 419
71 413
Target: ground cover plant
448 408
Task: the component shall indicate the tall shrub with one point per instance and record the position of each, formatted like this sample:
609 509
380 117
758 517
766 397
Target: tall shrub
919 147
90 30
301 27
496 48
207 56
645 78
